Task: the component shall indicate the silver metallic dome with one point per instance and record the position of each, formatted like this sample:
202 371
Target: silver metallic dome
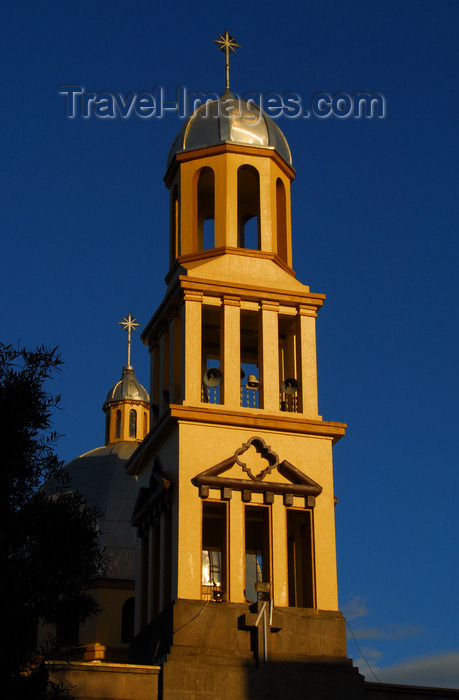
229 120
101 476
128 387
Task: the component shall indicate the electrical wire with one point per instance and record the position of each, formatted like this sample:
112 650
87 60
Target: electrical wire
193 618
361 652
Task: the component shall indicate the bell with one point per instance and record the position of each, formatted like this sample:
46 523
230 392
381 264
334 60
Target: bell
213 377
252 382
289 386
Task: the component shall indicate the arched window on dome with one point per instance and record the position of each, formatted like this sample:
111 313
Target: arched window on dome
118 424
206 209
281 220
132 423
248 207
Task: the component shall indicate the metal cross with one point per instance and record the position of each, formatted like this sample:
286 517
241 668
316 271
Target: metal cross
129 324
227 43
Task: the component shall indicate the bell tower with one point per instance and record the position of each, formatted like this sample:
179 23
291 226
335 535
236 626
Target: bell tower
235 512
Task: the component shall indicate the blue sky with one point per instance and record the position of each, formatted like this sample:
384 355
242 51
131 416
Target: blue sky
84 221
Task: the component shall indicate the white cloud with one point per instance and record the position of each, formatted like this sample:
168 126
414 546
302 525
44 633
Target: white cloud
392 632
440 670
355 607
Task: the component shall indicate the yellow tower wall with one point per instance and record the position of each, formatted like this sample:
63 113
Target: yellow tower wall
201 448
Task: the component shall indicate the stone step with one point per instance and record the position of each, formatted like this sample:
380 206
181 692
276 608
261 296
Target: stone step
203 656
182 679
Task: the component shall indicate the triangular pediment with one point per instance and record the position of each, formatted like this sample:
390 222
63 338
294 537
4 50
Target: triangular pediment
255 460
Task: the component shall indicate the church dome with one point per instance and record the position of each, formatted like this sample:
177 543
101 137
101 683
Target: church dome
101 476
128 387
229 120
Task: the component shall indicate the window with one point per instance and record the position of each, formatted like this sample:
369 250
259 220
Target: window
127 621
174 221
132 423
257 549
300 558
206 209
214 549
118 424
248 204
281 216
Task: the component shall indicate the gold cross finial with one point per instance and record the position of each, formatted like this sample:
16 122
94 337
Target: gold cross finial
129 324
227 43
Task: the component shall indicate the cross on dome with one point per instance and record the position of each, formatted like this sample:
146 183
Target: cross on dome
228 44
129 324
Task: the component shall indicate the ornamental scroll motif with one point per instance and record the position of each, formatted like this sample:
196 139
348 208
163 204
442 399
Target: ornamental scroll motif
264 451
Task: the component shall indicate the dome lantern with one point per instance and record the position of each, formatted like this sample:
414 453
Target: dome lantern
127 406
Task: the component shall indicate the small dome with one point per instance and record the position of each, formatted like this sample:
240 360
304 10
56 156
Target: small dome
229 120
128 387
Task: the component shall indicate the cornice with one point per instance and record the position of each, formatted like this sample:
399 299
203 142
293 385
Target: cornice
282 422
222 148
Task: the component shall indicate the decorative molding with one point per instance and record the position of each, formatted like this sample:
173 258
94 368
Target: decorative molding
281 422
231 300
211 253
209 151
251 292
300 484
265 451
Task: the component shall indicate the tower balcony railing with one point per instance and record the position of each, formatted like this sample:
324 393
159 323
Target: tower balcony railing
250 396
288 402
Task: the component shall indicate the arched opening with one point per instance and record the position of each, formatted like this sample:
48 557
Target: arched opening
132 423
118 424
206 209
281 220
174 226
248 207
127 621
145 424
